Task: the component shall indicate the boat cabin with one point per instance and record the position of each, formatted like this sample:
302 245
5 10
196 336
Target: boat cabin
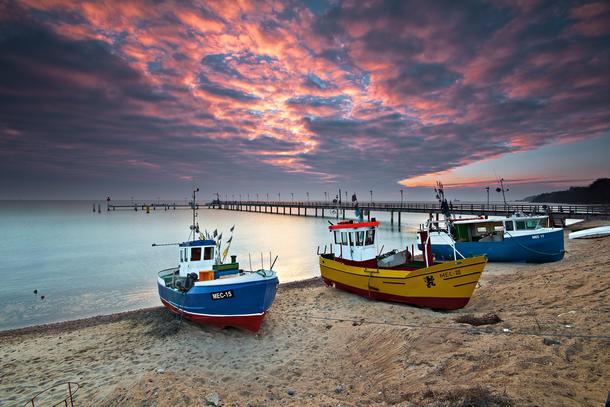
198 256
355 241
520 223
483 230
487 230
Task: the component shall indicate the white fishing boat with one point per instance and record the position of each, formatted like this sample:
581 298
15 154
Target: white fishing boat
591 233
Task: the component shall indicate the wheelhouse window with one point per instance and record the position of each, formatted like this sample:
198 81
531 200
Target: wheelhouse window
370 237
344 238
196 254
359 238
508 226
181 258
208 253
351 238
532 224
337 237
520 225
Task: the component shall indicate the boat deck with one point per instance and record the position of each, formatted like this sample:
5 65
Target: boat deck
170 276
417 263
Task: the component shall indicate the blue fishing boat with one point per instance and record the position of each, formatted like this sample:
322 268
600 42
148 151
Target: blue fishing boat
206 289
516 238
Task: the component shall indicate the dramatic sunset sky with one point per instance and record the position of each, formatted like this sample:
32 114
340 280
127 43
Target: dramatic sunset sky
148 98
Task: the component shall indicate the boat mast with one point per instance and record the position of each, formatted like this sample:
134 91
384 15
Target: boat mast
193 207
440 196
502 189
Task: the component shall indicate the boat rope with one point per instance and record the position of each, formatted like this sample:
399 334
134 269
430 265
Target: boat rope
181 317
555 308
534 250
469 330
263 273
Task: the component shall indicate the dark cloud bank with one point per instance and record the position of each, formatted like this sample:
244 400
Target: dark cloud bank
431 87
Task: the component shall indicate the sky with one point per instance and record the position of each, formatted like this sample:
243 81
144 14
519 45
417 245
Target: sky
147 99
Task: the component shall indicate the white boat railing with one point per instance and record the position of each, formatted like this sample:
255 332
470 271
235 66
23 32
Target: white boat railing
439 231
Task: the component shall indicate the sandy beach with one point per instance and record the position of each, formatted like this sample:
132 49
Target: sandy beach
320 346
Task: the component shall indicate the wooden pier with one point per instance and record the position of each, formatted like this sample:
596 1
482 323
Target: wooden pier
340 210
396 209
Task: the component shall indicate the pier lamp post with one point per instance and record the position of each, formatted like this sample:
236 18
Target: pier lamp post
292 195
267 197
487 189
307 193
325 196
256 197
371 191
279 196
401 191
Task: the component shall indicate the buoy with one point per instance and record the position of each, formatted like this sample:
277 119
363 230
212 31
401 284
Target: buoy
35 291
42 297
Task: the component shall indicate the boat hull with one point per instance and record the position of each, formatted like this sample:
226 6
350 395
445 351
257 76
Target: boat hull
249 322
535 248
446 286
245 307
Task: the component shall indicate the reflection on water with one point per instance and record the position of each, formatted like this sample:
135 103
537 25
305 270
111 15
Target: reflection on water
88 264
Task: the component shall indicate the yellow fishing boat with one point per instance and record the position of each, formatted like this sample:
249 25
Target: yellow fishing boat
353 265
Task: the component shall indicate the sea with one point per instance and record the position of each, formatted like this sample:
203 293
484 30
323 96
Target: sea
87 263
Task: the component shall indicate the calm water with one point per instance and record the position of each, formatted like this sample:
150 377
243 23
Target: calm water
88 264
